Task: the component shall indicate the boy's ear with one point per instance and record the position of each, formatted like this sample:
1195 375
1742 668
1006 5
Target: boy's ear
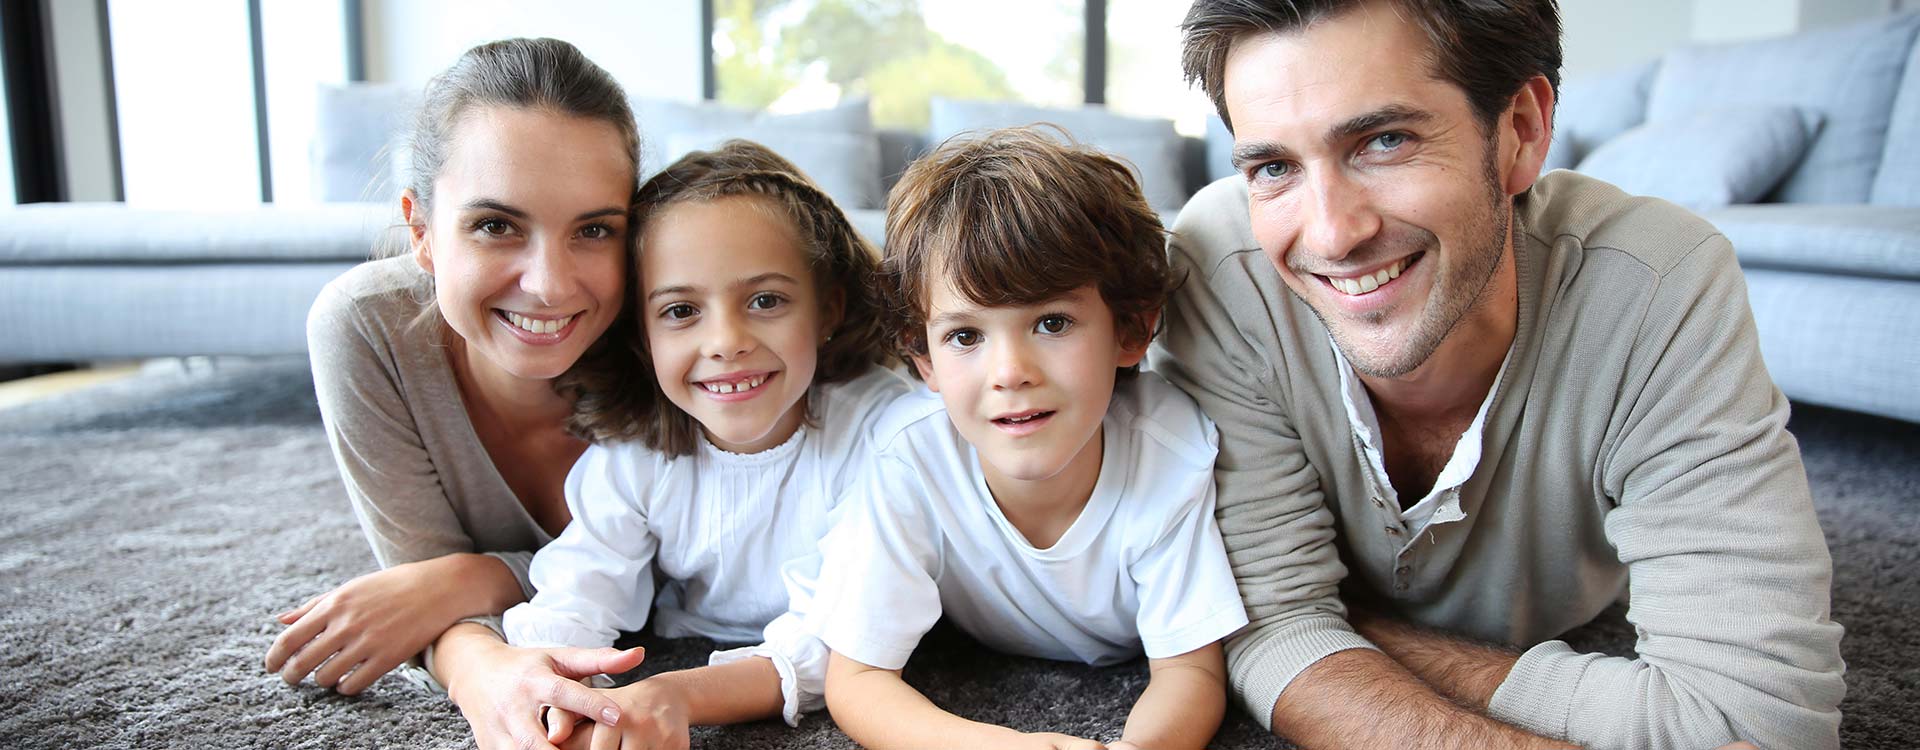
1132 352
416 220
925 366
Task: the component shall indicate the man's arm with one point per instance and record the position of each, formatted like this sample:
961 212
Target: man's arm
1362 699
1462 669
1729 572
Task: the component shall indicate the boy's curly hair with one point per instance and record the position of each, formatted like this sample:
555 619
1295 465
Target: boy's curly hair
615 394
1019 216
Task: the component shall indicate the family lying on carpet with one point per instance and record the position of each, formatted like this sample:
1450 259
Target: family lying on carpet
1501 402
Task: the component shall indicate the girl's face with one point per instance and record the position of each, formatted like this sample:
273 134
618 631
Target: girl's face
526 239
733 319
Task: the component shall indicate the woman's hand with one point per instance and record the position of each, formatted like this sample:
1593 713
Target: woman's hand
350 636
653 716
501 690
1057 741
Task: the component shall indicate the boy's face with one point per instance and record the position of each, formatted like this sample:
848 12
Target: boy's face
1027 385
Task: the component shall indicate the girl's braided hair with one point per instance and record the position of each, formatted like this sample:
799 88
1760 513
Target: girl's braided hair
615 394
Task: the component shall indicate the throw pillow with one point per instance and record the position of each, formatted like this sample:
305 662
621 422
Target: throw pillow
1708 159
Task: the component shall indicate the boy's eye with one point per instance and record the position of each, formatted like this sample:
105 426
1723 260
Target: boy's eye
1053 325
765 301
963 338
678 311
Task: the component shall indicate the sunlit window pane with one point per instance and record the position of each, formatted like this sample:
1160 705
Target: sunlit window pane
306 45
790 55
1143 65
183 82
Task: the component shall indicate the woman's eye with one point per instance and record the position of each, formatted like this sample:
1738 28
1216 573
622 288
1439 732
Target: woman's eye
1053 324
765 302
597 232
680 311
494 227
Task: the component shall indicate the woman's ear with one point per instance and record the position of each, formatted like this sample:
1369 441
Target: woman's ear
416 218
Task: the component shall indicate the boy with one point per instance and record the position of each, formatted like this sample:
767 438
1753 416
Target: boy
1051 501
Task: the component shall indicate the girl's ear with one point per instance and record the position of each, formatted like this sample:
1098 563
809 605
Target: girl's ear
416 219
1131 352
833 310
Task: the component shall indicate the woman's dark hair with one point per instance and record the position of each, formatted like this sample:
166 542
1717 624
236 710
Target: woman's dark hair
615 393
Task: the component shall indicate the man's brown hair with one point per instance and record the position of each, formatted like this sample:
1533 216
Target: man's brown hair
1488 48
1020 216
617 397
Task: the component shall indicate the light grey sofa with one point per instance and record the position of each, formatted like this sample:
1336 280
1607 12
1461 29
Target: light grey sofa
1831 250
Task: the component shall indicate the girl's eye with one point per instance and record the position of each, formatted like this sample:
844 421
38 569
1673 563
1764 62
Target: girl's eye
1387 142
765 301
1053 325
677 311
963 338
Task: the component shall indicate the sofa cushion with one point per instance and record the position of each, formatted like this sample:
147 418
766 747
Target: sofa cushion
1848 74
112 234
845 165
1898 181
1593 109
357 127
661 120
1150 146
1861 240
1708 159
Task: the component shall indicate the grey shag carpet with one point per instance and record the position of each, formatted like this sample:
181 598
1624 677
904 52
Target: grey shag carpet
150 527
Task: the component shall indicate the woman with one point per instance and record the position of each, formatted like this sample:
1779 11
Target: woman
435 372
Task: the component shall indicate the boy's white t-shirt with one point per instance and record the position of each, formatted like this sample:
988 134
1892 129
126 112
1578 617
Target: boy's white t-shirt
717 527
1141 569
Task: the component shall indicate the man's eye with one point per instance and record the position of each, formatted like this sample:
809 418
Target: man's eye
765 301
1053 324
1272 170
680 311
1387 142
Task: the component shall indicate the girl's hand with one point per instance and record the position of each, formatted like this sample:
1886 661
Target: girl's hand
501 690
653 716
354 634
1056 741
1123 745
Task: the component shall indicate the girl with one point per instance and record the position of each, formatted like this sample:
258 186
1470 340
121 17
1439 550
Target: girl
723 437
435 373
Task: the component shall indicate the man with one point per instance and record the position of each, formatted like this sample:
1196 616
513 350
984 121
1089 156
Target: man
1490 405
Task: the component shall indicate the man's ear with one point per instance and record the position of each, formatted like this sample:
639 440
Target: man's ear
1132 352
924 365
416 219
1527 131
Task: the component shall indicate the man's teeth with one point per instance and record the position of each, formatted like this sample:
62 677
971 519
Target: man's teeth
536 325
1370 282
734 386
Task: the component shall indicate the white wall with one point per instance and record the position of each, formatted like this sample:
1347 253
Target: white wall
651 46
1602 35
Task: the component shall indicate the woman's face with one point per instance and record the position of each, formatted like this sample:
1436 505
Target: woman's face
526 237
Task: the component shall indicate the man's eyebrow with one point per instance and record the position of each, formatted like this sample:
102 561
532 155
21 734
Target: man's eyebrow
1258 152
1377 119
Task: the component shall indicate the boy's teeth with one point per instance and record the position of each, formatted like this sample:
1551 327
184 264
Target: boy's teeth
534 325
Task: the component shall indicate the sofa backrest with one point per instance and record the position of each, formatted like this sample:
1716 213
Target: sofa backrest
1592 109
1898 181
1848 74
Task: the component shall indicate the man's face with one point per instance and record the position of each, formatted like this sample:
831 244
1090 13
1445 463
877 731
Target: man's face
1373 188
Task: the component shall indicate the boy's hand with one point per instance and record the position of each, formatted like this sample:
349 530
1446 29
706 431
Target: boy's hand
1057 741
653 716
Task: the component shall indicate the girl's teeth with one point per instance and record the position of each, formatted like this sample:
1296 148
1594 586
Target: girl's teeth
734 386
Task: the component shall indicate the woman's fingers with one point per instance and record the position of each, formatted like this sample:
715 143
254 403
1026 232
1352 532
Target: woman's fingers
560 724
330 673
369 672
310 657
526 731
609 738
587 662
580 699
296 613
294 640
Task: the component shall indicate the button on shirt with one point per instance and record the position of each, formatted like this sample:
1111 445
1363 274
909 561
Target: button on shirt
1442 503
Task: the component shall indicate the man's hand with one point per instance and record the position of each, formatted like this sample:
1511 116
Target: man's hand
653 716
354 634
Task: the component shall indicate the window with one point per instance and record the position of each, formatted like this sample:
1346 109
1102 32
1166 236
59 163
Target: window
7 195
788 55
1143 65
305 44
187 131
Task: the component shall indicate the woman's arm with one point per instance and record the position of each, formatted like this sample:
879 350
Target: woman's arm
501 689
1185 699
